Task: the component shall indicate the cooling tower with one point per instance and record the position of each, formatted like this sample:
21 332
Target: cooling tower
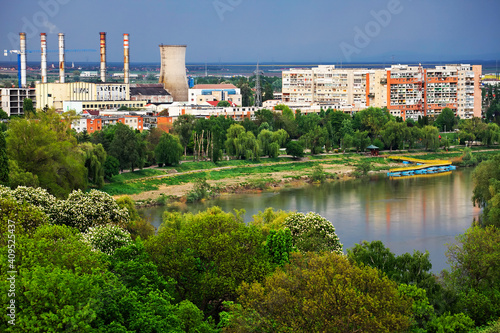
22 42
61 57
126 69
43 65
103 56
173 71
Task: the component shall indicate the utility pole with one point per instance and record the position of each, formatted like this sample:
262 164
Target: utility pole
258 92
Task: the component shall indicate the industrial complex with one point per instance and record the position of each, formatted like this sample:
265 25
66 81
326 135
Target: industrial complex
406 91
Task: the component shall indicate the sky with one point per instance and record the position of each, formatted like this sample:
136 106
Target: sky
280 31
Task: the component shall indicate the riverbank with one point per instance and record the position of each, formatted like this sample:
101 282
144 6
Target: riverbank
159 185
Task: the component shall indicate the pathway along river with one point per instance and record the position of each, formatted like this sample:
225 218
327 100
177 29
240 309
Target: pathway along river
421 213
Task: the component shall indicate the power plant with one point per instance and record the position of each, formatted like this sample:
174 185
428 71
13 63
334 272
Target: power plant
173 71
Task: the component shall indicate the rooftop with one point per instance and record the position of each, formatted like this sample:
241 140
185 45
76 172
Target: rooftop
214 86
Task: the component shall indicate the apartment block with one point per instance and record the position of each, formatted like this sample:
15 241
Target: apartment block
406 91
12 100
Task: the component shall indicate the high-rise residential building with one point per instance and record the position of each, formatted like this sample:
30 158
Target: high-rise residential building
408 91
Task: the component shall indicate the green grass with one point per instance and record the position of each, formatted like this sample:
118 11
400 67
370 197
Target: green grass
137 174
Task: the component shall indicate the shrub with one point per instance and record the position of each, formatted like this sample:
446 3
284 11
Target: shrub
318 174
312 232
107 238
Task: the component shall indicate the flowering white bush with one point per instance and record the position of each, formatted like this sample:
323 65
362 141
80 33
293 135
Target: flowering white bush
37 197
107 238
312 232
83 210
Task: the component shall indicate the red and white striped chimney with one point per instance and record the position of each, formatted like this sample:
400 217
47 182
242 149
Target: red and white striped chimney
43 65
22 44
126 68
61 57
103 56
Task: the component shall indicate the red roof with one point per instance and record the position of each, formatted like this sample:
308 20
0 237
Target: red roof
214 103
214 86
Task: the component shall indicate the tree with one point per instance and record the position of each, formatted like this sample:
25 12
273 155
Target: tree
169 150
486 192
28 108
294 299
371 120
295 149
446 120
315 139
475 273
268 92
241 144
95 159
111 167
125 147
430 137
3 114
208 272
183 127
223 104
361 140
4 161
47 149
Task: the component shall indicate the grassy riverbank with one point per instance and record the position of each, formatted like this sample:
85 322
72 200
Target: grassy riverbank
229 176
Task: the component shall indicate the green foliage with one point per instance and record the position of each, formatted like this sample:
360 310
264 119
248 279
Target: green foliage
3 114
446 120
295 149
111 167
406 268
208 254
279 245
430 137
315 139
183 127
467 158
312 232
25 218
448 323
28 109
4 161
486 192
47 149
475 273
318 174
269 220
423 312
20 177
201 190
125 147
107 238
363 167
242 144
223 104
322 293
137 226
361 140
95 158
169 150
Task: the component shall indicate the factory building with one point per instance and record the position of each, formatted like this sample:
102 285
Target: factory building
408 91
150 93
200 94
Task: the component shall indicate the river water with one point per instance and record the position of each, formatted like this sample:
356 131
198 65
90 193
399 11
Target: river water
420 213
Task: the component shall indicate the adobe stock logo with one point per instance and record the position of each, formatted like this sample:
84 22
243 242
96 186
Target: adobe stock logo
223 6
39 20
363 37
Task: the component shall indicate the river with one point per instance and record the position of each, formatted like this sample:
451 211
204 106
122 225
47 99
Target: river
420 213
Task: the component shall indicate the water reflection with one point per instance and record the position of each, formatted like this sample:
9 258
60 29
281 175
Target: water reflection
421 213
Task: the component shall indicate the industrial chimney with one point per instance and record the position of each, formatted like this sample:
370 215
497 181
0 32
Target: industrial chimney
43 65
61 57
103 56
22 38
126 69
173 71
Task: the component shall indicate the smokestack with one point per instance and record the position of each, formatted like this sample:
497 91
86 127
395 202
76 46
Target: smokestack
173 71
103 56
43 65
22 38
61 57
125 59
